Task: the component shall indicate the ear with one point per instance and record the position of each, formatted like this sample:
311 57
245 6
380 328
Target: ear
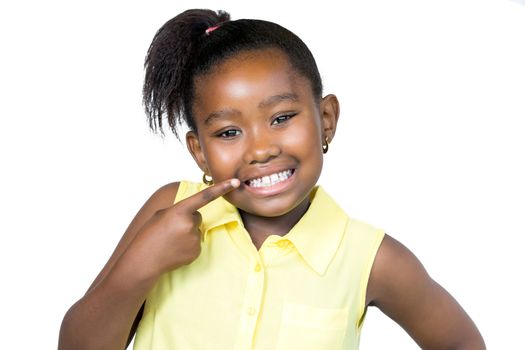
329 109
194 146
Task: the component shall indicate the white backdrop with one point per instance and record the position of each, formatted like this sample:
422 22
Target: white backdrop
430 144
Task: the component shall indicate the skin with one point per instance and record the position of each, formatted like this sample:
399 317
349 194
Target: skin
245 131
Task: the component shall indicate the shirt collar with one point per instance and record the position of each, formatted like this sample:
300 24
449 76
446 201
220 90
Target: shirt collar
319 232
316 236
217 213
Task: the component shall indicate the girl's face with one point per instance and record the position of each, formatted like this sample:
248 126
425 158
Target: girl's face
258 121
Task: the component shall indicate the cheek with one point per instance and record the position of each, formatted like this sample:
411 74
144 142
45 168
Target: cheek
222 161
307 146
305 137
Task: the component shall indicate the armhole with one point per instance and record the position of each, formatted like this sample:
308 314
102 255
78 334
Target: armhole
181 191
187 189
379 234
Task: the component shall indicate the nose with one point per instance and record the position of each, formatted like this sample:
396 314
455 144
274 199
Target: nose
261 148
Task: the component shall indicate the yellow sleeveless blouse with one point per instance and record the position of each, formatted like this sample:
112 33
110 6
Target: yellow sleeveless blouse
305 290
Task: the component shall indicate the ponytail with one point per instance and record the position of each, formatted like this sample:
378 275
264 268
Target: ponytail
169 59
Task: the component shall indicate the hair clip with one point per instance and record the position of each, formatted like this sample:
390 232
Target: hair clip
211 29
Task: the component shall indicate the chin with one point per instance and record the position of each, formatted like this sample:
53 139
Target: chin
270 212
272 207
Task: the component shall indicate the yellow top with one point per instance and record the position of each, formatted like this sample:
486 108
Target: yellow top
305 290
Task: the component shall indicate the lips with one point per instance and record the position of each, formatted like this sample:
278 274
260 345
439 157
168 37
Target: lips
270 179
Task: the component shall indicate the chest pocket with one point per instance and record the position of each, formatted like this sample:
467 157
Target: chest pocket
312 328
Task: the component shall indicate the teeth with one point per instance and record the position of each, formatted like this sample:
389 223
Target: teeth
270 180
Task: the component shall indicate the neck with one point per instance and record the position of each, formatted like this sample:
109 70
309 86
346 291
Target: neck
260 227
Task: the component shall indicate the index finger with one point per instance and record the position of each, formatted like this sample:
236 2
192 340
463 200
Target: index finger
200 199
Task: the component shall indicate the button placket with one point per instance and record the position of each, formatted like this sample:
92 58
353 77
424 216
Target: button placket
251 311
252 303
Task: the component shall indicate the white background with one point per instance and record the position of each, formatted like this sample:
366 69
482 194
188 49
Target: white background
430 144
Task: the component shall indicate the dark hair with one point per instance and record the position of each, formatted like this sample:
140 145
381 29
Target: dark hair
183 49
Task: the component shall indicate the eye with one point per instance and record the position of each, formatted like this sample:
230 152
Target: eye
228 134
282 118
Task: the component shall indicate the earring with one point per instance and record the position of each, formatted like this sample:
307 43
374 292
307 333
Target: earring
207 179
325 145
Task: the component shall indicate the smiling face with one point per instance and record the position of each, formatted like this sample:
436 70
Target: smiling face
258 121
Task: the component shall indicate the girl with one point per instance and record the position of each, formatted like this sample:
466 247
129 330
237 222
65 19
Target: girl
257 257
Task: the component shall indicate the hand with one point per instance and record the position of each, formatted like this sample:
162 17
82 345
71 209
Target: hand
171 237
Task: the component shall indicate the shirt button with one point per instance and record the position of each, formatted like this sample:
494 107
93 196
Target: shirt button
257 268
282 244
251 311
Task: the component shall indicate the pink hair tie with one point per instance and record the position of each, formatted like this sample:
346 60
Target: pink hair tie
211 29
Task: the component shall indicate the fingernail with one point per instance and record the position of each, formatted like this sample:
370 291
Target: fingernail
235 183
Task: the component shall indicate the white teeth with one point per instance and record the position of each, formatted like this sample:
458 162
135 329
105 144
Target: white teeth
270 180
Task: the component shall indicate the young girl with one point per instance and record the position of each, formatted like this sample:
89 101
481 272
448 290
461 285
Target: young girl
259 256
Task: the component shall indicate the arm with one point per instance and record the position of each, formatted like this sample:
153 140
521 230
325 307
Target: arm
108 314
161 238
401 288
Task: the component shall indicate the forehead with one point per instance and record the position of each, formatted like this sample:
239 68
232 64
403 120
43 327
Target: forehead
249 78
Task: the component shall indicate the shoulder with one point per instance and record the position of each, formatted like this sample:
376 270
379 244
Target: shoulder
395 268
162 198
168 194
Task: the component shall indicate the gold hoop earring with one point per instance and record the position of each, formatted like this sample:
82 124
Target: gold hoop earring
207 179
325 145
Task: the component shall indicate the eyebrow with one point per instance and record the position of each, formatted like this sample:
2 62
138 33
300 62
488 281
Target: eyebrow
220 114
278 98
269 101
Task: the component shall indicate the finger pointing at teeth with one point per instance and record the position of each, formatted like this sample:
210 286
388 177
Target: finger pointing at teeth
198 200
171 237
